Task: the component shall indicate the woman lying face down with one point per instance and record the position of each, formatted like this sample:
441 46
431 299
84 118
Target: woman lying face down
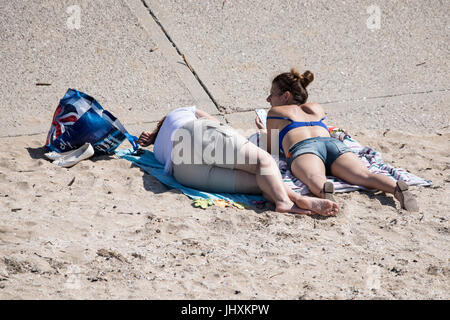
310 151
204 154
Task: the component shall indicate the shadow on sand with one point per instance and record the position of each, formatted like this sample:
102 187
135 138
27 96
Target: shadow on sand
381 197
36 153
152 184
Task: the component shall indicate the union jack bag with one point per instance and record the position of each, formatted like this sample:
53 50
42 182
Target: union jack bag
78 119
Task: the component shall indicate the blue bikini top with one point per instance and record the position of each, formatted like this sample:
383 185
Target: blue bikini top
296 124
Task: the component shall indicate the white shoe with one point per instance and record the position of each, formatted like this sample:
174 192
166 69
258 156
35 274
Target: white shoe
71 158
56 155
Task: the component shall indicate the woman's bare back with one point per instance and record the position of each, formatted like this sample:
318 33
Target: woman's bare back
304 113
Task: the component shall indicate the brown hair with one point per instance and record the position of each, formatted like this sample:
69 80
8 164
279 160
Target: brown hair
295 83
156 131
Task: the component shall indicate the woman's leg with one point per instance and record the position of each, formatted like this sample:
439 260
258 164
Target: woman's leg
216 179
246 183
310 169
350 168
269 180
316 205
267 176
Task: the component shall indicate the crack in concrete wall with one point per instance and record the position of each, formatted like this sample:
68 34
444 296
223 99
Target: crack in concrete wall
208 92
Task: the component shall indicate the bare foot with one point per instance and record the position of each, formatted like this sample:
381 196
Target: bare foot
406 198
323 207
290 207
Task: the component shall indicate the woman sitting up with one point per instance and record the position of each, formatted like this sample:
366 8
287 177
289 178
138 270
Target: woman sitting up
206 155
310 151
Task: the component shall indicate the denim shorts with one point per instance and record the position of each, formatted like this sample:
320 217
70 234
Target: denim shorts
326 148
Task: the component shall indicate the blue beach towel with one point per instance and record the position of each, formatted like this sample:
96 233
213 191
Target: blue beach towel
149 164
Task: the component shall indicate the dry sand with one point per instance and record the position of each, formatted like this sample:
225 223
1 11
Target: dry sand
104 229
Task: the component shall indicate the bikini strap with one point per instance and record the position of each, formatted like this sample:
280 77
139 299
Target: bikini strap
319 123
281 118
295 124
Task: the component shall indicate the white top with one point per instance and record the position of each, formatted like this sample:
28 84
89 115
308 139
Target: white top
164 143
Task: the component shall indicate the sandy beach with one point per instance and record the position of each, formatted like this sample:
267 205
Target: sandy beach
104 229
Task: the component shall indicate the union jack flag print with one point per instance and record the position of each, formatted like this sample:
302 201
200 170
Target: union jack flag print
69 110
64 116
78 119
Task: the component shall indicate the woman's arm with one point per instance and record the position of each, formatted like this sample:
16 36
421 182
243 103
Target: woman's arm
203 114
147 138
270 127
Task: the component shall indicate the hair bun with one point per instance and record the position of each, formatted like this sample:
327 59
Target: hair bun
306 78
296 74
